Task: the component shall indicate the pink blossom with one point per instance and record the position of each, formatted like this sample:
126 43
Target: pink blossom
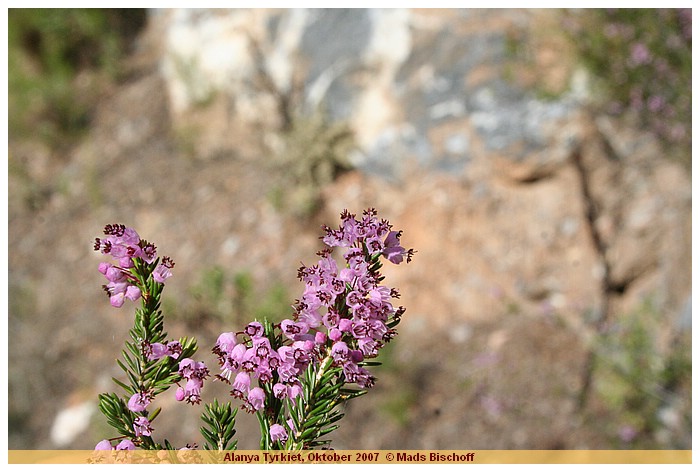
142 427
640 55
256 399
104 445
139 401
125 445
278 433
162 272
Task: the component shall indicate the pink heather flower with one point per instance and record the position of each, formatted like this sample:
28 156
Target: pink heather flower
125 445
345 325
379 295
113 273
279 390
121 243
339 351
627 433
290 423
162 271
374 245
278 433
369 347
226 342
120 286
640 54
393 250
356 356
118 292
192 392
335 334
294 391
254 329
195 373
139 401
241 385
188 368
294 330
256 399
287 372
125 246
148 251
142 427
346 310
103 267
156 351
103 445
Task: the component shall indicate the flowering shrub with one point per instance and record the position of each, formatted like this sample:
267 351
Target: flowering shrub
293 376
642 58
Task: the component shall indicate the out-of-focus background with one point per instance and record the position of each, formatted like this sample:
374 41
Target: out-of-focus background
537 160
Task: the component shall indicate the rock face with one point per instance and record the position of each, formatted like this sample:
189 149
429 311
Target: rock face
415 86
425 92
538 225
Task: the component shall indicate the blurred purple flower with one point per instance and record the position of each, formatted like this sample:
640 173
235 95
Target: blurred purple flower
627 433
655 103
639 54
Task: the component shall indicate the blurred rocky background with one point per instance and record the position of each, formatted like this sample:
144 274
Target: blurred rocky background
538 161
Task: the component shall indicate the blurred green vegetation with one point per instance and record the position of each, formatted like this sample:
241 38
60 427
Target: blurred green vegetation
232 300
638 63
394 372
641 64
313 154
58 62
640 383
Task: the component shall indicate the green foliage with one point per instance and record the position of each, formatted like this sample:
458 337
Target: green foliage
142 373
538 56
272 304
56 60
640 60
221 420
209 293
316 412
312 155
636 378
234 298
399 406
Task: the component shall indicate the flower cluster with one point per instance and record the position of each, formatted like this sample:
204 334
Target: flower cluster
293 374
137 273
125 246
343 313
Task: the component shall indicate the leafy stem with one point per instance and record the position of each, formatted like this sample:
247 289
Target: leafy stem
316 412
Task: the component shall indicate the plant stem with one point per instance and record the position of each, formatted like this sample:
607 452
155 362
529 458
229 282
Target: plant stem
297 444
